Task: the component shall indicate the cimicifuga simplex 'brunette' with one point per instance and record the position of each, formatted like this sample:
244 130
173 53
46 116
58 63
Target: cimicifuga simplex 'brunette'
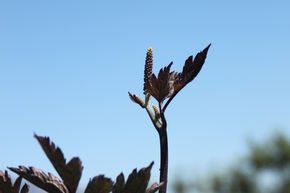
164 87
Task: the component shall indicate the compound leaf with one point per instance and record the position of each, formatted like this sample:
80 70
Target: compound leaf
69 172
6 184
99 184
49 183
137 182
161 87
119 184
25 189
192 67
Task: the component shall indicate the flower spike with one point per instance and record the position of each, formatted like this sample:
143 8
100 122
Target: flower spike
148 70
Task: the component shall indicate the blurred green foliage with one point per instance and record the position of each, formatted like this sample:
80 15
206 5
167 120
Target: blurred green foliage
266 169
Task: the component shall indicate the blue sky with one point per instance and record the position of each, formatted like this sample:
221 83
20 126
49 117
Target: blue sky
66 68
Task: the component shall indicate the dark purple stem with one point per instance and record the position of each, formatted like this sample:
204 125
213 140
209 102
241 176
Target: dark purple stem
163 152
172 97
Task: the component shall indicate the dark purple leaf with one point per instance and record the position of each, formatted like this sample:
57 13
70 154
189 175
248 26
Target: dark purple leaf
25 189
69 172
137 182
162 86
6 184
49 183
119 184
192 67
99 184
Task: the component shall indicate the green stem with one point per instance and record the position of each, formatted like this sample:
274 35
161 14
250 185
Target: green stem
155 120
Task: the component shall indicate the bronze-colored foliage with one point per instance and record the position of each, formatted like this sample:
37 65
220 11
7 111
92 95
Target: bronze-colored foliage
167 84
99 184
25 189
161 87
191 68
47 182
69 172
136 183
7 187
119 184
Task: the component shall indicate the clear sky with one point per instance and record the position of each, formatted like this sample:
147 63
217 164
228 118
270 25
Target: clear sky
66 68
